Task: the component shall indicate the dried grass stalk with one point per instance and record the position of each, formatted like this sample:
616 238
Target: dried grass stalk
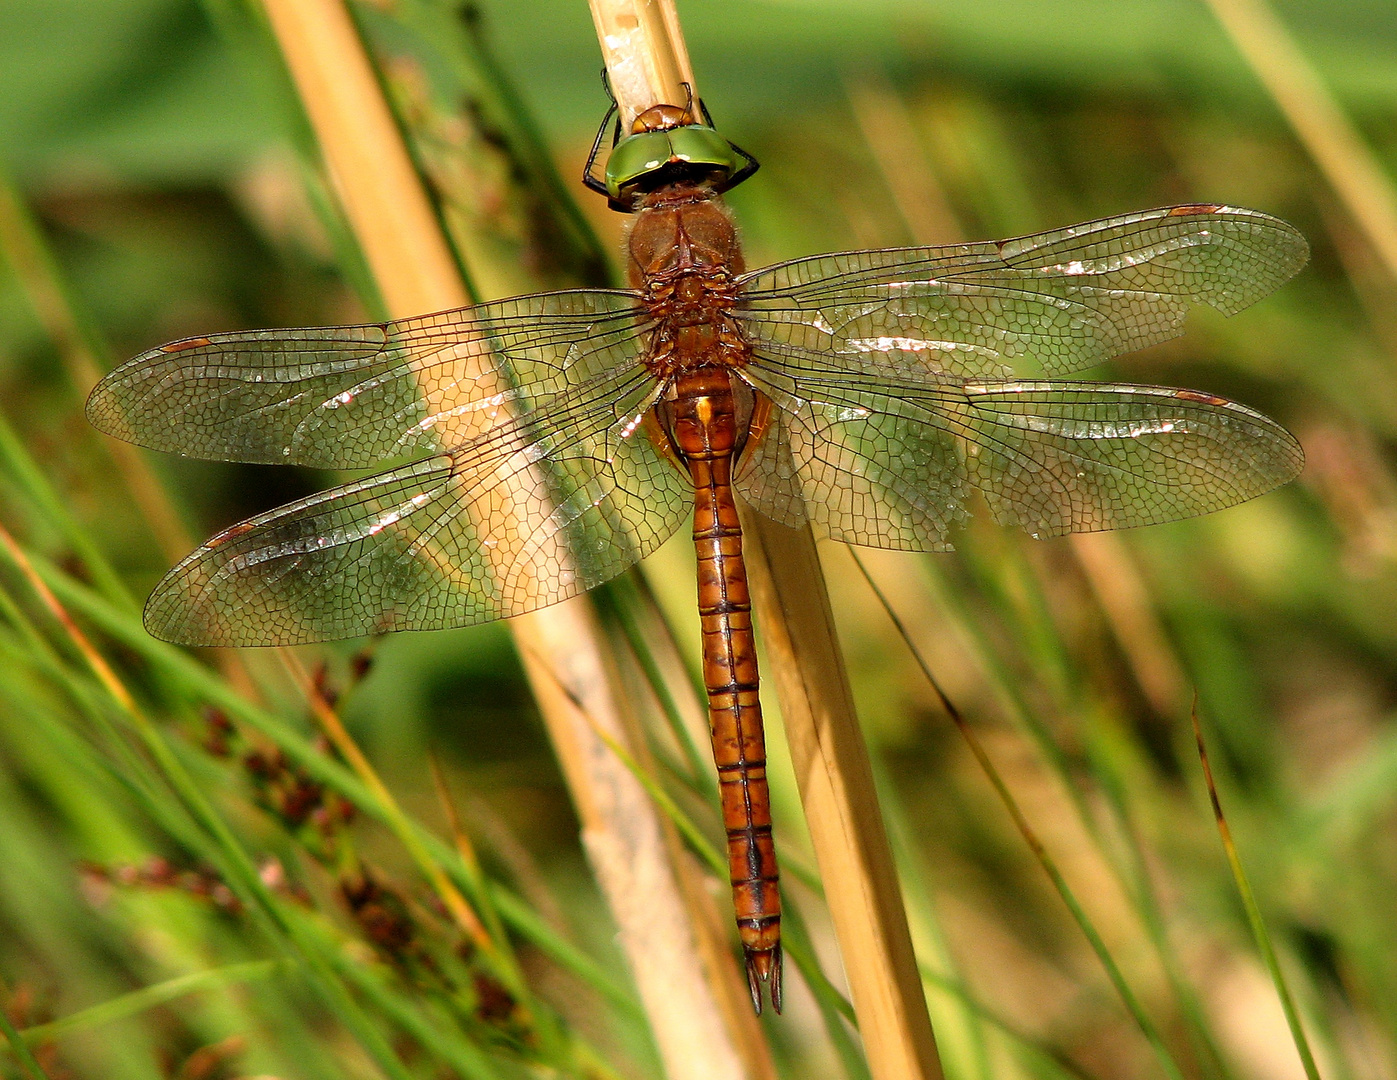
841 805
563 655
643 47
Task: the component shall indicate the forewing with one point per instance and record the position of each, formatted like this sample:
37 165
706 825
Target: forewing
887 457
534 511
361 396
1047 304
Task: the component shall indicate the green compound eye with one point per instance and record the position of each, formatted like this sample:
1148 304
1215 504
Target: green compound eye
703 146
635 157
639 156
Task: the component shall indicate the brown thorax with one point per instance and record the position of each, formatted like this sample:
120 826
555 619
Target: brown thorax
685 260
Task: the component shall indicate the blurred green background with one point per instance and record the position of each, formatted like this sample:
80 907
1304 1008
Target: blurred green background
153 147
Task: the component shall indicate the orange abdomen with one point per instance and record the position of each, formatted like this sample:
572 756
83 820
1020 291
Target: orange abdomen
704 430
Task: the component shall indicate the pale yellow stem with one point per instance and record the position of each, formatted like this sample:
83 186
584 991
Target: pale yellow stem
832 765
835 778
644 52
561 646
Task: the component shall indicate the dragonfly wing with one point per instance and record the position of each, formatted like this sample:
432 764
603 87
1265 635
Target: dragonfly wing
1056 458
361 396
888 457
854 462
1047 304
532 512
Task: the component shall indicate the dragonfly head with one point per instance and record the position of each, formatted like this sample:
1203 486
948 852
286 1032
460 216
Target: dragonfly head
667 146
663 118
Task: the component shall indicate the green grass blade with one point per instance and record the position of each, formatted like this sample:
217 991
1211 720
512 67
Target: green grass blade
1118 981
203 684
148 997
1258 925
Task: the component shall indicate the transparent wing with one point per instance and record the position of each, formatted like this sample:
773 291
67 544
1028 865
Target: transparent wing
888 457
538 509
1047 304
361 396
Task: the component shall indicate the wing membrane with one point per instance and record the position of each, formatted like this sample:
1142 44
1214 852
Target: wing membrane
530 481
1055 302
887 456
1055 458
857 462
360 396
534 511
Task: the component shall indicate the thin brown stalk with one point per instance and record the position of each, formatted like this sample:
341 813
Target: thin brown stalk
459 837
643 38
1253 910
417 272
329 723
1321 125
462 842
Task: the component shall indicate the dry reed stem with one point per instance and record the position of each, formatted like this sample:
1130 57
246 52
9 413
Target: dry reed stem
712 939
643 48
643 37
1326 132
568 671
835 778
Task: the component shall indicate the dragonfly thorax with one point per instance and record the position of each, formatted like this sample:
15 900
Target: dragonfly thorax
684 260
681 227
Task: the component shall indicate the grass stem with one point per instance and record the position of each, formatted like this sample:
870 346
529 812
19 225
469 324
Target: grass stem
1254 919
389 209
1319 122
1035 844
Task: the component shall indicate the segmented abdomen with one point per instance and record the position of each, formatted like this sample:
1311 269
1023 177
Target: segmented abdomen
704 432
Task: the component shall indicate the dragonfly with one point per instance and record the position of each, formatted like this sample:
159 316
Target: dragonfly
533 448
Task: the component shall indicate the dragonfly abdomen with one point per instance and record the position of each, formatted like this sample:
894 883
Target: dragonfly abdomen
704 429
